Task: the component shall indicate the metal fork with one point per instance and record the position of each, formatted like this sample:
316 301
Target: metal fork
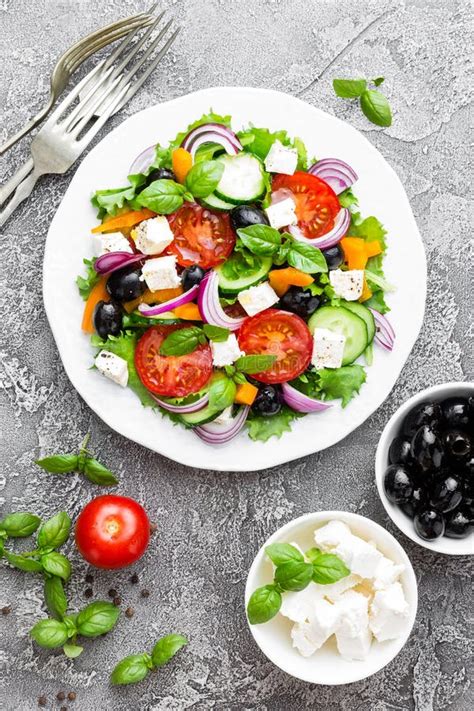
59 142
73 58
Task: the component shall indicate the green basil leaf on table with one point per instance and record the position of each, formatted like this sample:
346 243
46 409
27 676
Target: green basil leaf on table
20 524
166 648
349 88
306 258
55 596
264 604
49 633
72 650
261 240
29 565
283 552
294 575
254 363
328 568
70 622
378 81
376 108
130 670
221 393
216 333
98 474
204 177
97 618
55 531
59 463
162 196
56 564
181 342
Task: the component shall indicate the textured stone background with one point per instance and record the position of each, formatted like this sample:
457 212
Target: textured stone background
211 524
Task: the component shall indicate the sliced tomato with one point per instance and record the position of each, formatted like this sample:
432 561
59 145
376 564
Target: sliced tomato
200 236
316 202
171 376
274 332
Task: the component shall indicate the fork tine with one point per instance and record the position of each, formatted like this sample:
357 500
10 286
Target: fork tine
70 98
136 47
118 51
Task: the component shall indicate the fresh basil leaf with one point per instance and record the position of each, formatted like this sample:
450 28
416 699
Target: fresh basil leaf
216 333
221 393
181 342
162 196
282 255
264 604
294 575
55 596
97 618
49 633
254 363
72 650
306 258
87 283
328 568
55 531
261 240
378 81
71 623
56 564
376 107
20 524
130 670
203 178
239 378
312 554
349 88
166 648
59 463
98 474
280 553
29 565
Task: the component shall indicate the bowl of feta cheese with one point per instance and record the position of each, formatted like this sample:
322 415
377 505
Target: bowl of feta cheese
331 597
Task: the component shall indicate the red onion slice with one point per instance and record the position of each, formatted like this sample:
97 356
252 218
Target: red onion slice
335 172
213 433
182 409
212 133
185 298
210 307
341 225
385 334
300 402
112 261
143 161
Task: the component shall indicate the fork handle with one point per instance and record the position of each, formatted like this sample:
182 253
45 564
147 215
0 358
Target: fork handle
21 193
29 126
11 184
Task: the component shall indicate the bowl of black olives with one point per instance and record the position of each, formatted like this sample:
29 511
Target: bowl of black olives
424 468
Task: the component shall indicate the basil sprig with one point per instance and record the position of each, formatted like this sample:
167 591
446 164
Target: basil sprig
19 525
136 667
293 572
372 102
163 196
183 341
82 462
204 177
264 241
254 363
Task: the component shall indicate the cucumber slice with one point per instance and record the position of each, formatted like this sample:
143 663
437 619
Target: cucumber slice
215 203
365 314
341 320
236 274
200 417
243 179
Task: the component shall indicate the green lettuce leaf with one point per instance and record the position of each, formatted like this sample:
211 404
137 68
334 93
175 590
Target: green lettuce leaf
341 383
258 141
110 202
87 283
262 428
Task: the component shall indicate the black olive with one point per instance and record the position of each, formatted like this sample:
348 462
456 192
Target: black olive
429 524
426 413
191 276
108 318
246 215
470 407
446 492
398 484
426 449
418 498
457 445
400 451
268 401
157 174
334 256
459 523
299 301
455 412
468 469
125 284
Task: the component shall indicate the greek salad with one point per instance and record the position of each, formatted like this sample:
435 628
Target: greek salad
235 282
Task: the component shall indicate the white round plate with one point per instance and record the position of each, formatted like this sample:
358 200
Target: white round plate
326 666
448 546
380 193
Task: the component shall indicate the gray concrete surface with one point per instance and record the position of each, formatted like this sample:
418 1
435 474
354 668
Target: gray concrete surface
211 524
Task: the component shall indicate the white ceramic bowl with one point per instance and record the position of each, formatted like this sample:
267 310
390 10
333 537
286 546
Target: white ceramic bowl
450 546
326 666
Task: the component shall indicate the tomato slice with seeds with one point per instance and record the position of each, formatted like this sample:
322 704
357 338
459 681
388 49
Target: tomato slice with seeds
316 202
274 332
201 237
171 376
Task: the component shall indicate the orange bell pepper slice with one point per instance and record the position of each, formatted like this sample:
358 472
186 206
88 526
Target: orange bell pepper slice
246 394
281 279
188 312
355 254
153 297
182 162
98 293
128 219
366 292
373 248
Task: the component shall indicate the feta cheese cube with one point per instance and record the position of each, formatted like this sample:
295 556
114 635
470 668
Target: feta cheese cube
329 536
281 159
257 298
160 273
226 352
333 591
302 640
310 636
113 367
282 213
225 416
153 236
111 242
298 606
388 613
328 348
360 557
353 635
348 285
386 573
